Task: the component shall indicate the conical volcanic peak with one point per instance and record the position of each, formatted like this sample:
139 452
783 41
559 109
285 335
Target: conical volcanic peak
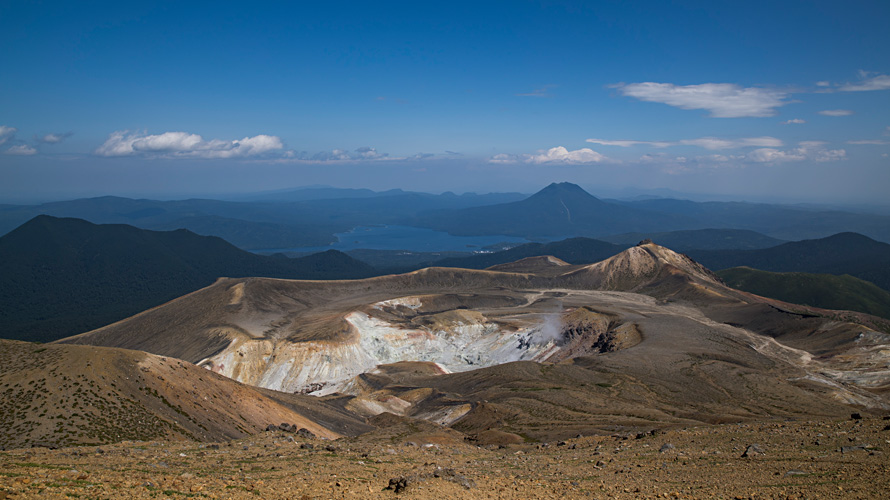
563 190
646 264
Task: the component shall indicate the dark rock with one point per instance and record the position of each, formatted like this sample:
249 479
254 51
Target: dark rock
271 428
848 449
330 448
286 427
450 475
855 416
751 450
645 242
887 427
305 433
307 446
561 443
213 446
398 484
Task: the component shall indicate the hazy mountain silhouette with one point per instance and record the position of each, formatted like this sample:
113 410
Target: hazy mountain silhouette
778 221
572 250
701 239
562 209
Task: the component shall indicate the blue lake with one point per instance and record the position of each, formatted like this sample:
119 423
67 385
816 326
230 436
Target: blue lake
414 239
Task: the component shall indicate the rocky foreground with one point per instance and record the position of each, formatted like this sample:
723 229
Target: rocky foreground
820 459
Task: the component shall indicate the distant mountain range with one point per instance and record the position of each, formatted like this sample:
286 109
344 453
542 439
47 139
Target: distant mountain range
60 276
559 210
301 219
701 239
310 217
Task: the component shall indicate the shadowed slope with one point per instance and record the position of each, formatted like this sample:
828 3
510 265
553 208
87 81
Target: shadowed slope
59 277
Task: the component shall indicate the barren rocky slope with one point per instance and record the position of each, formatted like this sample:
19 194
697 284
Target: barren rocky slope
645 338
826 459
63 395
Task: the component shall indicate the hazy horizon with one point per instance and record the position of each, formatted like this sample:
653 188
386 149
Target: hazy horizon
760 102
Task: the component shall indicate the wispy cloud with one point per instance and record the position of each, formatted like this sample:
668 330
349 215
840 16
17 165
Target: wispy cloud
877 142
794 121
806 150
539 92
21 150
836 112
557 155
185 145
363 153
712 143
722 100
54 138
869 81
6 133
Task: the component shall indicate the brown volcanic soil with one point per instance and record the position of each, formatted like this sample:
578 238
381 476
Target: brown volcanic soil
63 395
817 459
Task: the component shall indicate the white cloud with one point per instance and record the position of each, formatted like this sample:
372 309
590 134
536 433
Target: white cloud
628 143
185 145
812 150
830 155
722 100
363 153
21 150
558 154
794 121
6 133
662 158
54 138
769 155
711 143
504 158
836 112
823 83
877 82
877 142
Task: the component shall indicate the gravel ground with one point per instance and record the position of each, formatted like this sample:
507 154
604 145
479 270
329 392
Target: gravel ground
820 459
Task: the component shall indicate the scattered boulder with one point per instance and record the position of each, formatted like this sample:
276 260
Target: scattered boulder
271 428
398 484
848 449
286 427
454 477
751 450
666 447
305 433
855 416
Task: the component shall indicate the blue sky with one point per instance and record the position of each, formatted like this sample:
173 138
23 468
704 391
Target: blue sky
744 100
